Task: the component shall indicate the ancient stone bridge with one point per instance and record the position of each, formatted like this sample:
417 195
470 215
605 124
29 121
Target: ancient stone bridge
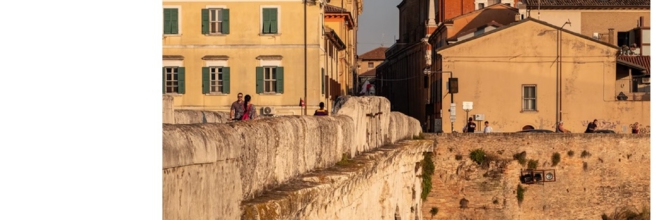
362 165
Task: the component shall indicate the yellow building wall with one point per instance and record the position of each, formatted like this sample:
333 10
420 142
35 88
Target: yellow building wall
243 45
491 75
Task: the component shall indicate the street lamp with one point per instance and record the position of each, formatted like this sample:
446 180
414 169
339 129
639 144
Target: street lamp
452 109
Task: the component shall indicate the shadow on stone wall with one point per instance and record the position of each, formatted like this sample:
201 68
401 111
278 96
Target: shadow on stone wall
221 164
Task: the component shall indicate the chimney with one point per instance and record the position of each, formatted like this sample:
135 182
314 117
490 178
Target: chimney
641 21
611 36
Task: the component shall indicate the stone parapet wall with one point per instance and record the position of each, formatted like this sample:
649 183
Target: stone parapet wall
379 184
614 172
221 164
198 117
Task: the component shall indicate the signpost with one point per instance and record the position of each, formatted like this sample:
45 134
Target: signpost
467 106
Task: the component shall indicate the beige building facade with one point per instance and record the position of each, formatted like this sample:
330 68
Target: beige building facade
214 50
515 88
609 21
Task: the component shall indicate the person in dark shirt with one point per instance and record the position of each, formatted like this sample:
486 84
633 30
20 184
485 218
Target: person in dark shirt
591 128
321 111
470 127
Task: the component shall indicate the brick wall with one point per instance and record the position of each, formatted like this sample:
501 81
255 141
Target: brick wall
617 173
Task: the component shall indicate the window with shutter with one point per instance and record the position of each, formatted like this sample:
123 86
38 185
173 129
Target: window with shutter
269 21
170 21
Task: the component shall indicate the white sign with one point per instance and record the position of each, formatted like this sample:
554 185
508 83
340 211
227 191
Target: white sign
452 109
452 118
467 105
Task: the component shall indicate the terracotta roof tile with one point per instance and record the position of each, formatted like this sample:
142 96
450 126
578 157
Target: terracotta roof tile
375 54
588 3
644 61
334 9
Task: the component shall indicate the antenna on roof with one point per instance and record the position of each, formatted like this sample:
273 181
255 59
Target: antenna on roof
382 39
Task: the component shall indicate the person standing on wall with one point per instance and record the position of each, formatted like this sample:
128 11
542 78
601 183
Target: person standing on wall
561 129
591 128
488 128
470 126
236 111
249 112
635 128
321 111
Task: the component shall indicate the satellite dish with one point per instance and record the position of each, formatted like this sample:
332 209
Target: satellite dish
267 110
549 176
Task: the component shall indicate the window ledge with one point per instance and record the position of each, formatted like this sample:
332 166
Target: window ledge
271 94
216 35
173 94
529 111
171 35
265 35
216 94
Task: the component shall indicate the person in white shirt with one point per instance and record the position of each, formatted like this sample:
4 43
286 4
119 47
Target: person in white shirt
488 129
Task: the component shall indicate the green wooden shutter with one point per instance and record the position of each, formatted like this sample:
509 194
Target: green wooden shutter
164 78
206 78
225 80
322 81
280 79
166 21
273 20
260 80
225 21
205 21
265 14
171 21
182 80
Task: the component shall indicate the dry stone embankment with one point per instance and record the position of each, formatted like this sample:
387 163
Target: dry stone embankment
602 172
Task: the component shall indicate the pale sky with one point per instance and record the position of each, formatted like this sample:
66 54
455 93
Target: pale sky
378 23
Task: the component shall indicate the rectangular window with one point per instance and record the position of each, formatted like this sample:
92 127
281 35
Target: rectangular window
269 21
171 21
529 98
171 79
270 79
174 80
215 21
216 79
371 65
481 5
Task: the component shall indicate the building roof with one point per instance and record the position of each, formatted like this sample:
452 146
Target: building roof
371 72
334 9
524 21
531 4
490 7
375 54
636 61
332 36
472 30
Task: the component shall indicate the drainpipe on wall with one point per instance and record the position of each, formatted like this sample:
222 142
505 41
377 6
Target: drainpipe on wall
305 30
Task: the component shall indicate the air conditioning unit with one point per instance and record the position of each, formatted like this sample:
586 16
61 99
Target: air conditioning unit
646 80
268 111
479 117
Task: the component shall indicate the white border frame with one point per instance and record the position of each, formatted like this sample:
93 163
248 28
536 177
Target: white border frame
261 19
162 18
